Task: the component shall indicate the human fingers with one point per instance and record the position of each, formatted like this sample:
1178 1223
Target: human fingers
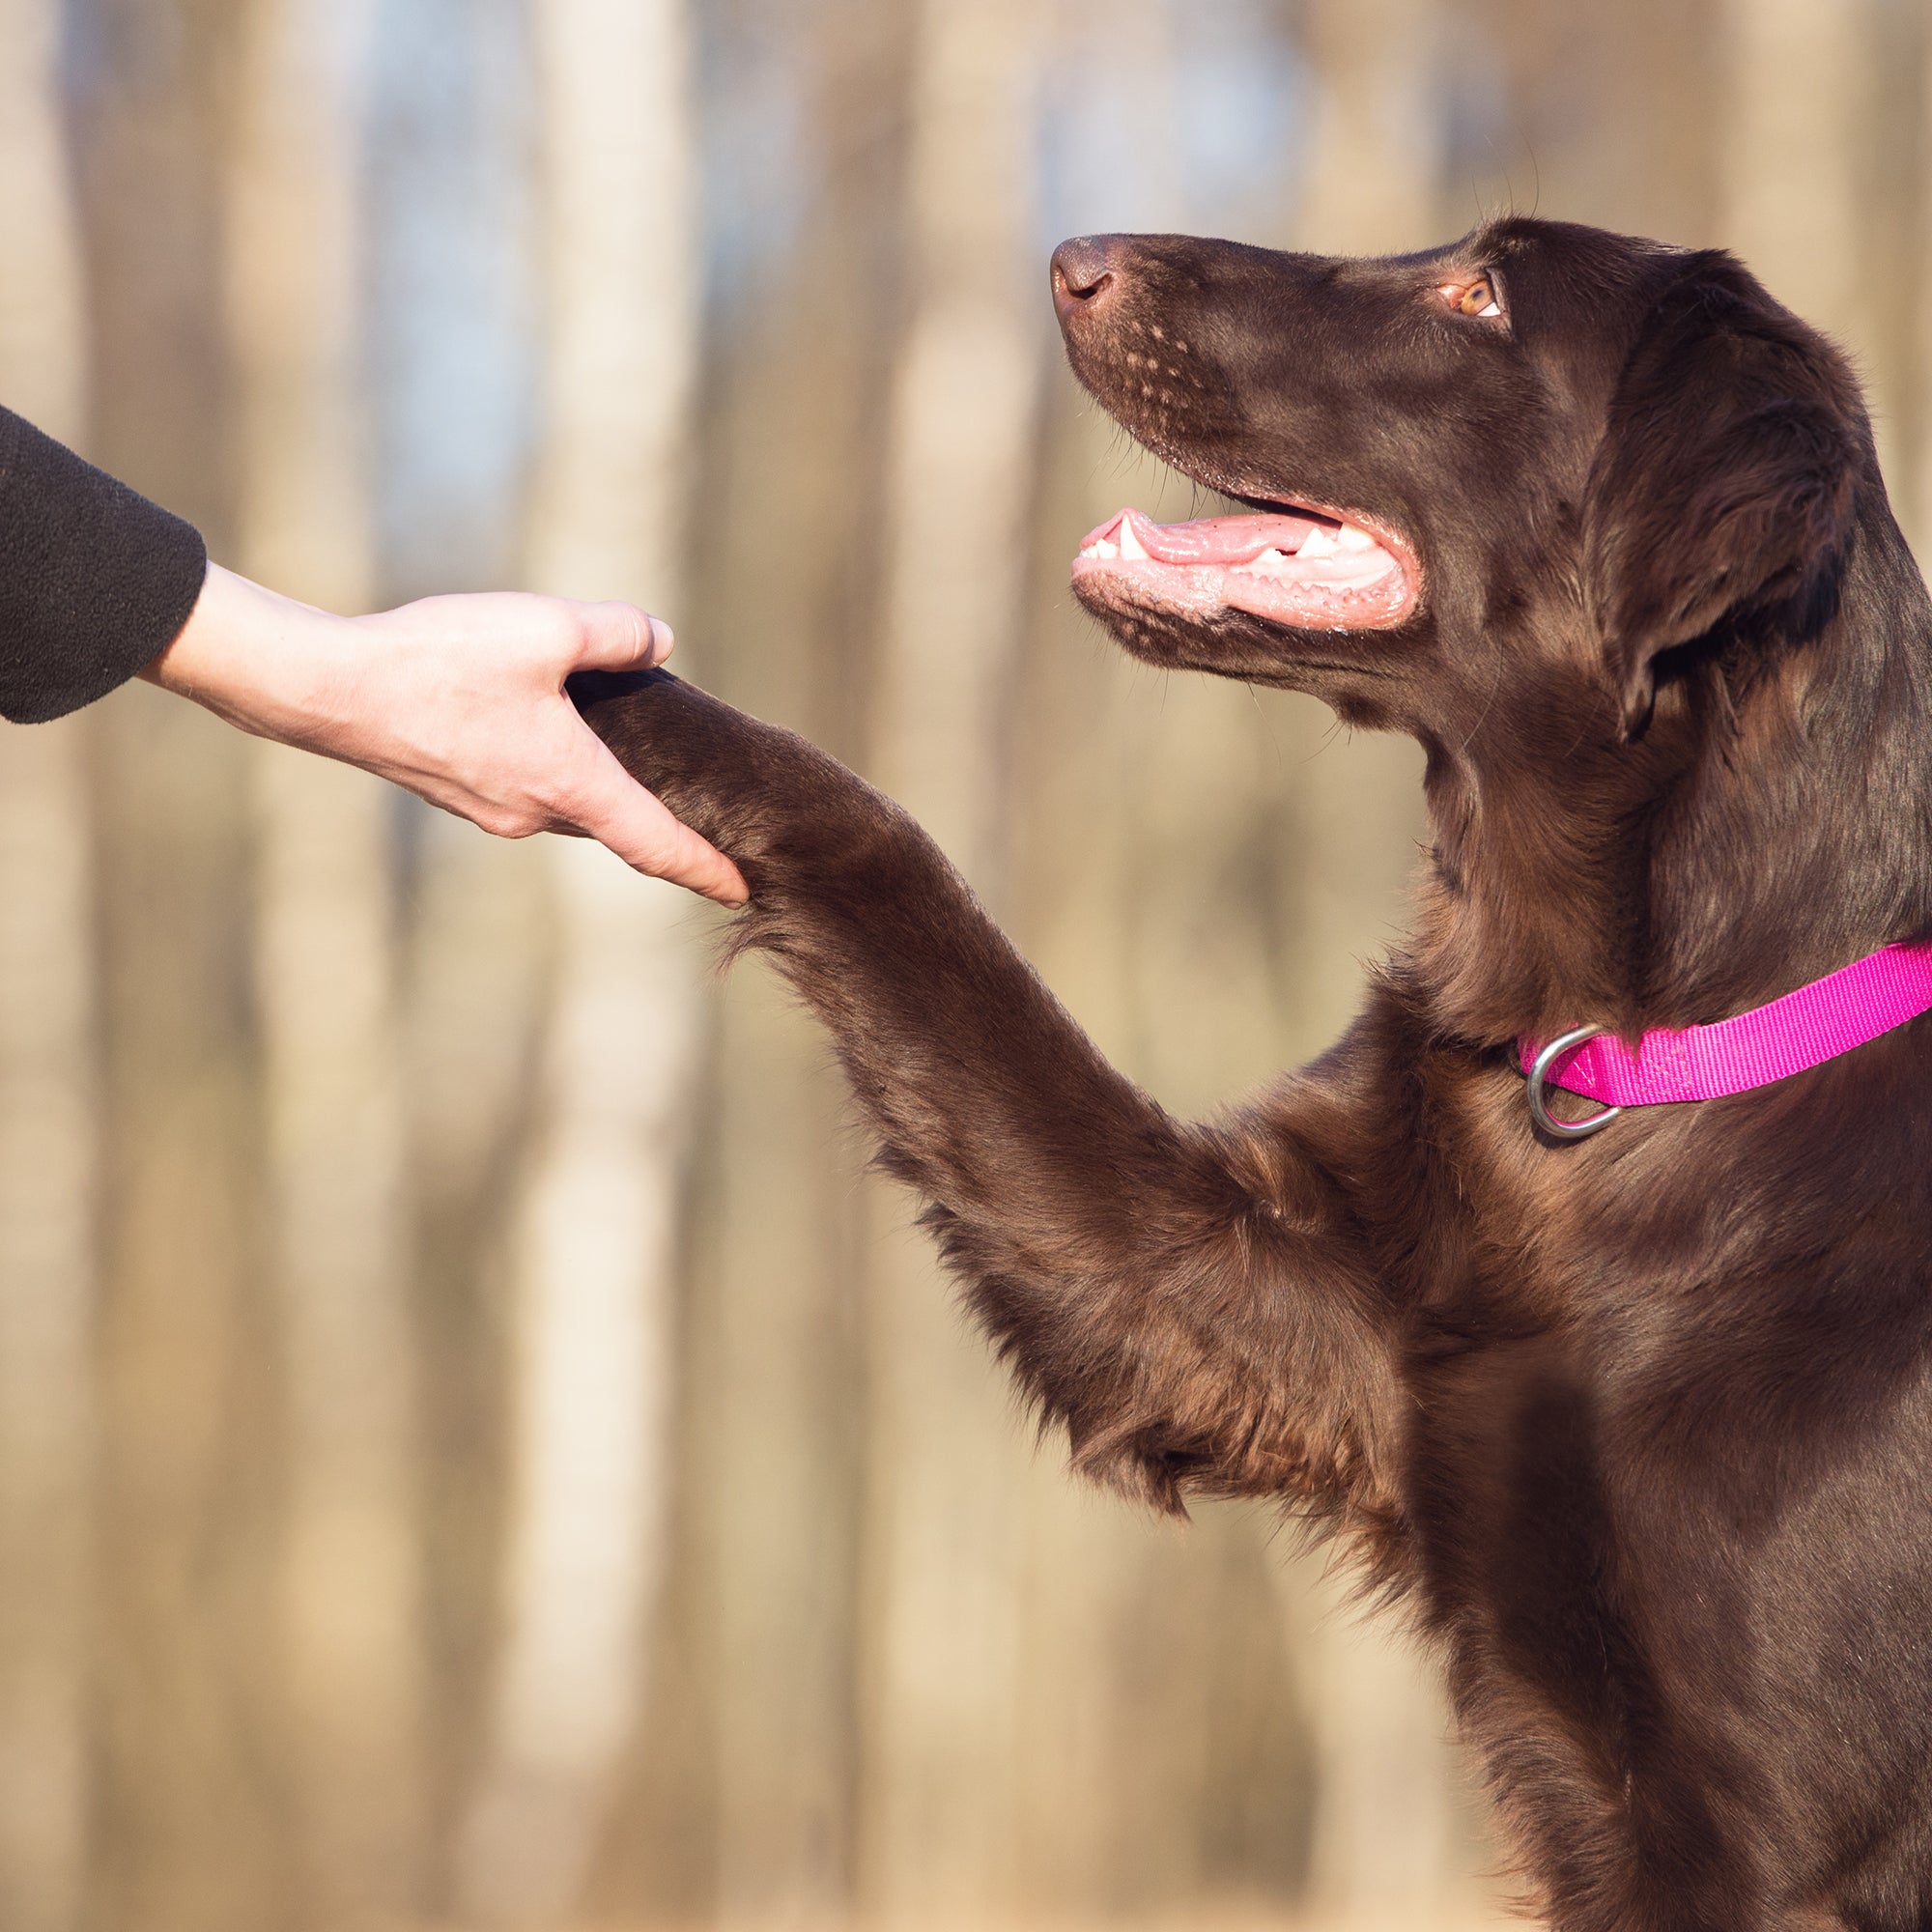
619 636
609 804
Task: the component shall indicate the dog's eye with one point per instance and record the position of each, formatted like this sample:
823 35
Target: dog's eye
1475 297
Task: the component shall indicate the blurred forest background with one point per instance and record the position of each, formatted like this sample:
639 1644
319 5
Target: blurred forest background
475 1448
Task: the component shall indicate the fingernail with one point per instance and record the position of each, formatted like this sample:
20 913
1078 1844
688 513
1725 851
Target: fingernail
662 640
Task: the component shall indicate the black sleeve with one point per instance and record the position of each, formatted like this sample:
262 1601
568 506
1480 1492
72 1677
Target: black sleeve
95 579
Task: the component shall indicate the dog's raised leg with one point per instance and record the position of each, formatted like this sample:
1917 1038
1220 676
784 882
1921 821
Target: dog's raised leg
1188 1301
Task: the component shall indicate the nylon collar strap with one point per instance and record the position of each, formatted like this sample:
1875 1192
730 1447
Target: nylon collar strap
1802 1029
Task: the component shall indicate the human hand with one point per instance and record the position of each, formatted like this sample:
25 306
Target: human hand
460 699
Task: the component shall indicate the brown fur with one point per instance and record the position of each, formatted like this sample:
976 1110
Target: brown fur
1640 1428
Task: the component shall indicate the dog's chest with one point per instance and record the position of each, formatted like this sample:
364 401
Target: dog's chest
1670 1474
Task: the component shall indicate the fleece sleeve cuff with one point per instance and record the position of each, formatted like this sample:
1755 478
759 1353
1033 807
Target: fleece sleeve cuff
95 579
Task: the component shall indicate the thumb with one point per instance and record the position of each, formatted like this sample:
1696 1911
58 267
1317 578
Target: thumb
619 636
603 800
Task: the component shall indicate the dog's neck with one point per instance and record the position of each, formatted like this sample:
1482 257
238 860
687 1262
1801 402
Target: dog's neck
1774 823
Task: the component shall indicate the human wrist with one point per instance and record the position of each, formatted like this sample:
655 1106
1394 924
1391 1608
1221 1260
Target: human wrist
258 659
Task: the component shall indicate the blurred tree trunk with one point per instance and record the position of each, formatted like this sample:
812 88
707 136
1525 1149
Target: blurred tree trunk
1373 186
594 1343
1375 153
478 959
1163 1747
326 980
1386 1832
1893 202
1915 272
1602 128
48 1128
1166 1750
941 1709
451 355
1798 89
965 423
759 1661
191 1837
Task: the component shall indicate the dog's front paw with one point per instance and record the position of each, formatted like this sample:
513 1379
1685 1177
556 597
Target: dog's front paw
763 795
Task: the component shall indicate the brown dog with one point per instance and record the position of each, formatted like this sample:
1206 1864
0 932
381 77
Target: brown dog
1640 1427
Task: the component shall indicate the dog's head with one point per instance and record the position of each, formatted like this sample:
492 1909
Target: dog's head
1582 513
1542 451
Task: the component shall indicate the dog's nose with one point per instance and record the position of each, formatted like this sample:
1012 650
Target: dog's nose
1086 272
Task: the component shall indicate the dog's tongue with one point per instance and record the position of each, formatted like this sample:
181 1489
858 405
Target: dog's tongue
1222 540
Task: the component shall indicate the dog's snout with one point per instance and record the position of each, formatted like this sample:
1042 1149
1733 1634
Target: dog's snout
1086 272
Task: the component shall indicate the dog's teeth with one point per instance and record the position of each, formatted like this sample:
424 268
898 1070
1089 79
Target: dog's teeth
1349 537
1130 544
1270 560
1102 548
1317 543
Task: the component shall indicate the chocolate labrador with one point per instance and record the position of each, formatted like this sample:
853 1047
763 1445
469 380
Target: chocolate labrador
1638 1427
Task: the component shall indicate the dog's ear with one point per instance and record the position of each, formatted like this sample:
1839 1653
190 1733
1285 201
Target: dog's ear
1727 476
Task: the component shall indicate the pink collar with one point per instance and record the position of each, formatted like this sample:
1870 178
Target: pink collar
1804 1028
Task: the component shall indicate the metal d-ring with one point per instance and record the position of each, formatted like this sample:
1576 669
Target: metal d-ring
1539 1072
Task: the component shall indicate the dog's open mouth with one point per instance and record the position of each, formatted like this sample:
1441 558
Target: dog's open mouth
1294 566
